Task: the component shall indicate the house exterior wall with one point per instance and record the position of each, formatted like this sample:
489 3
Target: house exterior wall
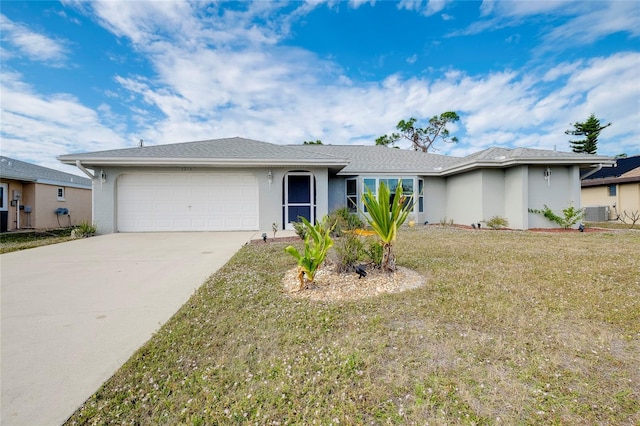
269 203
43 200
516 195
493 193
558 192
627 198
435 200
464 198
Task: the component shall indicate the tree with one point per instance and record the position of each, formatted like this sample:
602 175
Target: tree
422 139
317 142
590 129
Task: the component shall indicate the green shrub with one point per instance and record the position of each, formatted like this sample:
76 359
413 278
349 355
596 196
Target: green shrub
570 217
344 220
300 229
84 229
497 222
375 251
349 251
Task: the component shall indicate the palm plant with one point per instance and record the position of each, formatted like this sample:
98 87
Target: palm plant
317 242
386 215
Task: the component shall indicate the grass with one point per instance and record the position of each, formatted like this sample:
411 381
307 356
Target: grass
612 225
15 241
511 328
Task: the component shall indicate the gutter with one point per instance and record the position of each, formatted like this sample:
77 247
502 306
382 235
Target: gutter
596 170
84 170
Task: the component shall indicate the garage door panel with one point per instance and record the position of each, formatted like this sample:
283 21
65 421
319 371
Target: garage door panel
187 202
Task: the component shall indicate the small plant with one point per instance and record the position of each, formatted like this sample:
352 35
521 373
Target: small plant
349 251
570 217
274 228
300 229
375 251
497 222
84 230
446 222
317 242
345 220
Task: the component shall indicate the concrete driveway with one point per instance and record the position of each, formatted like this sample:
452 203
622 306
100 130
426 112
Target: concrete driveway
73 313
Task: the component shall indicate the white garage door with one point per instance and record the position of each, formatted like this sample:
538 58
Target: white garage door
187 202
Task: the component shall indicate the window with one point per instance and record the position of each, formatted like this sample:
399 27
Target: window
352 195
60 194
4 190
421 195
612 190
391 183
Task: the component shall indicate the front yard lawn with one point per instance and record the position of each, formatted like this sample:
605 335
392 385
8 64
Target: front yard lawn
22 240
511 327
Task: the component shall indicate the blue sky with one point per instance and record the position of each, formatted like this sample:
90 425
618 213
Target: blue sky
88 76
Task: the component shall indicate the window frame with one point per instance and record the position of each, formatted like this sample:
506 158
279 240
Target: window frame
612 190
368 180
60 193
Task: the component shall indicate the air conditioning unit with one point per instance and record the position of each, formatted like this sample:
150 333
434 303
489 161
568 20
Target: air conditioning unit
596 213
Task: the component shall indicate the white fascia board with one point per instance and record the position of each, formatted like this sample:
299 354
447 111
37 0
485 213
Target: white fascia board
202 162
537 161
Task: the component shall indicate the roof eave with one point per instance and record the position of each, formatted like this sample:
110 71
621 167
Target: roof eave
511 162
199 162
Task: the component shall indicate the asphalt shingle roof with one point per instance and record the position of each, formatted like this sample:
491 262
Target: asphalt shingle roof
27 172
381 159
351 159
623 165
221 149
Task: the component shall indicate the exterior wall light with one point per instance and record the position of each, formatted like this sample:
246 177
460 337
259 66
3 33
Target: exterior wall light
270 177
547 175
103 176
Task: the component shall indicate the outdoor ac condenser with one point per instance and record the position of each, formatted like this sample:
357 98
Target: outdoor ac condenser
596 214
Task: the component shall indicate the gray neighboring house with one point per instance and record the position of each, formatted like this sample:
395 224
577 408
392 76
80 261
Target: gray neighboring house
243 184
31 194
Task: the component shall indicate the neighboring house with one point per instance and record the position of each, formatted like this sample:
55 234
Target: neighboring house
617 188
242 184
30 195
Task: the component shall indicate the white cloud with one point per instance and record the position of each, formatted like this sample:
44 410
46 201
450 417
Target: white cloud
427 7
208 83
27 42
46 126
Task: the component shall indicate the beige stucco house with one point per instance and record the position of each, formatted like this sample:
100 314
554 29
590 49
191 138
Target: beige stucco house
616 188
35 197
243 184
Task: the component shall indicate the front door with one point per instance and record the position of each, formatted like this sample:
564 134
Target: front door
299 197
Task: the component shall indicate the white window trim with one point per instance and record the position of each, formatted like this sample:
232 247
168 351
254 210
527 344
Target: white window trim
61 198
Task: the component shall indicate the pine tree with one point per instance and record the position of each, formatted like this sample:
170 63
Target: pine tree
590 129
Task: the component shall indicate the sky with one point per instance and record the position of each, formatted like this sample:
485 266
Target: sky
81 76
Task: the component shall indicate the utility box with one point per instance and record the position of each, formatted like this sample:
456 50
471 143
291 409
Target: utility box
17 195
596 213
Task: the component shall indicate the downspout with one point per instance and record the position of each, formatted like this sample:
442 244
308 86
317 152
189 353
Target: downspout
597 169
84 170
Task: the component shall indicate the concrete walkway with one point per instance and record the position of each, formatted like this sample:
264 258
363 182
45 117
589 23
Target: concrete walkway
73 313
